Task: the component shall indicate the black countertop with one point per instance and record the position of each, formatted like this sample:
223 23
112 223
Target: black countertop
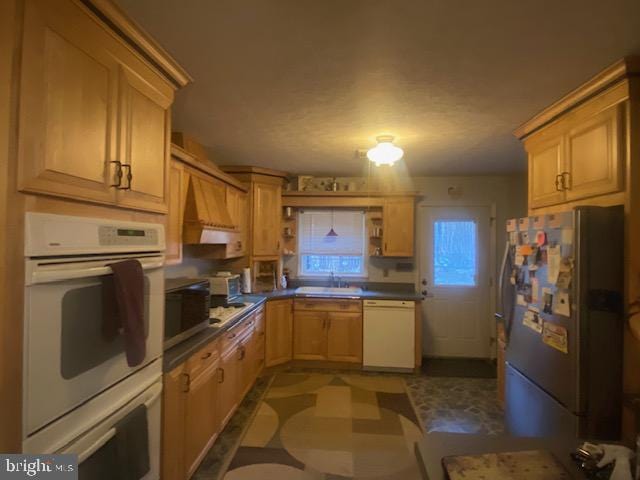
433 446
365 295
179 353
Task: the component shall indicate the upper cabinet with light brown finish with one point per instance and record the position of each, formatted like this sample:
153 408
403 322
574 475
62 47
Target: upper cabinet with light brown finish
398 227
577 148
265 205
94 107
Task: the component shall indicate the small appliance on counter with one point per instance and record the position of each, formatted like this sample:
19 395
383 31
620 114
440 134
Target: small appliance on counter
225 284
186 309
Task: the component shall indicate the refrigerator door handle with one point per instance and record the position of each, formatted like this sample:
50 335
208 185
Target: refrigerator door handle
504 313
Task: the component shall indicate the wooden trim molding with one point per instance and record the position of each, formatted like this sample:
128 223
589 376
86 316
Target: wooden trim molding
622 69
138 39
187 158
340 199
247 169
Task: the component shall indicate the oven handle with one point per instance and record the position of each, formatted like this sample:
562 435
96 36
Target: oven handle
46 276
95 446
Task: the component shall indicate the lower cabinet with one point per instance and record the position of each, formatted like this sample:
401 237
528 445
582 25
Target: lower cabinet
325 331
309 335
202 425
344 337
278 332
201 395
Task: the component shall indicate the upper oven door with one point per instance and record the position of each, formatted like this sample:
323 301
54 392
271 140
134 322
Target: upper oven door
67 358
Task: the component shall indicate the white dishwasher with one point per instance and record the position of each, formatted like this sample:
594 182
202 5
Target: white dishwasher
388 335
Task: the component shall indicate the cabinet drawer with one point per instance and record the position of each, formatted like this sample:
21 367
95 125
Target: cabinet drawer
231 337
203 359
323 305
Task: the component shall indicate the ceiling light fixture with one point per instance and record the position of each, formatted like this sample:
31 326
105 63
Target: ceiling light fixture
385 153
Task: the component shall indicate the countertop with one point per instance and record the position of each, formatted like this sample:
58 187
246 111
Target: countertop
181 352
365 295
433 446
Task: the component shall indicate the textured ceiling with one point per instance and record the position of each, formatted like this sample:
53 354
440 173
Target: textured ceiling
299 85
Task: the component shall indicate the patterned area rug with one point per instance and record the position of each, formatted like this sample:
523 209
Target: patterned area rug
330 427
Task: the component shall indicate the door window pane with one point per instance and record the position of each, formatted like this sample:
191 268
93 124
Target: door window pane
454 252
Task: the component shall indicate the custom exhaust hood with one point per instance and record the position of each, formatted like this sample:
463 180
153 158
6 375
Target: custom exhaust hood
206 218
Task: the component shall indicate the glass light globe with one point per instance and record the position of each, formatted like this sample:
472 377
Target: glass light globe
385 153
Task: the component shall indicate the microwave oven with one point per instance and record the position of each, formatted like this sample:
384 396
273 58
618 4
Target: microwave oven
228 286
186 309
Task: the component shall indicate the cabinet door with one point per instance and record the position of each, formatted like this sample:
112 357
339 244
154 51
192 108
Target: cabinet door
227 389
310 335
68 103
173 425
201 422
344 338
144 137
279 332
595 155
398 227
178 184
266 219
545 164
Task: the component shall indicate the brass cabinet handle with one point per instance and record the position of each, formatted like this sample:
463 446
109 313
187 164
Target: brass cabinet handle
129 177
220 375
206 355
566 180
118 174
559 183
186 382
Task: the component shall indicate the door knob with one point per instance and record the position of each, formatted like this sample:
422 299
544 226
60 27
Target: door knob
424 281
424 293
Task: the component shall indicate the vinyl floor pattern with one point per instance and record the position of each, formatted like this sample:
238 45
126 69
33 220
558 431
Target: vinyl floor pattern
312 424
330 426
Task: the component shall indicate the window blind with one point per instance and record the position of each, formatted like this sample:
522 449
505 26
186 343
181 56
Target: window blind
313 226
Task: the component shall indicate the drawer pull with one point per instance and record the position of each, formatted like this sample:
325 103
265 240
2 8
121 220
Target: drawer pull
233 335
206 355
186 382
220 375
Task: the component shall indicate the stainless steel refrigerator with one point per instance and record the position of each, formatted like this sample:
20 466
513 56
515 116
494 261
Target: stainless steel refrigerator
561 303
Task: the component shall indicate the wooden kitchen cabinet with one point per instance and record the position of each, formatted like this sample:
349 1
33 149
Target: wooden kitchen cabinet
344 337
228 392
398 227
173 424
309 335
580 155
94 116
594 153
545 170
178 185
326 329
266 219
202 423
278 332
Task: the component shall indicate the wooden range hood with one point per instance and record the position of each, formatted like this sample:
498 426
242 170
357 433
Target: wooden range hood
206 218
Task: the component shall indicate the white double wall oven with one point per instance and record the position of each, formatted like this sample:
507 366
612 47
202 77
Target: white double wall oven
77 383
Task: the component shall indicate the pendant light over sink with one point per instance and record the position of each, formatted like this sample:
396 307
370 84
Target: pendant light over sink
332 233
385 153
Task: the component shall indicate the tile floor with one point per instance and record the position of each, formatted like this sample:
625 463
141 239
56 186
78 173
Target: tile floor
462 405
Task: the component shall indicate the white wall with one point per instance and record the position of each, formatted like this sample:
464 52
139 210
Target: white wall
508 193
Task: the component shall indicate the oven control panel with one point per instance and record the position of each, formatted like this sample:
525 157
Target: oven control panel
111 235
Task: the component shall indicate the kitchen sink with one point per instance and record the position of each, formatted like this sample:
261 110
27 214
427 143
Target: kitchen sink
336 291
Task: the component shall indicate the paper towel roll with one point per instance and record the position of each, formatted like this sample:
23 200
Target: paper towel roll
246 280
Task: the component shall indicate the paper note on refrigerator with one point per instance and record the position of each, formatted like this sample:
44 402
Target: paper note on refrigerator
561 305
553 263
532 320
555 336
520 300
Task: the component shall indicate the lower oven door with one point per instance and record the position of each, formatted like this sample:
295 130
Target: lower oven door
68 360
127 441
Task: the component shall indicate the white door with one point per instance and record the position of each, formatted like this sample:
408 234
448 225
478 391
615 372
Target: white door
454 267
